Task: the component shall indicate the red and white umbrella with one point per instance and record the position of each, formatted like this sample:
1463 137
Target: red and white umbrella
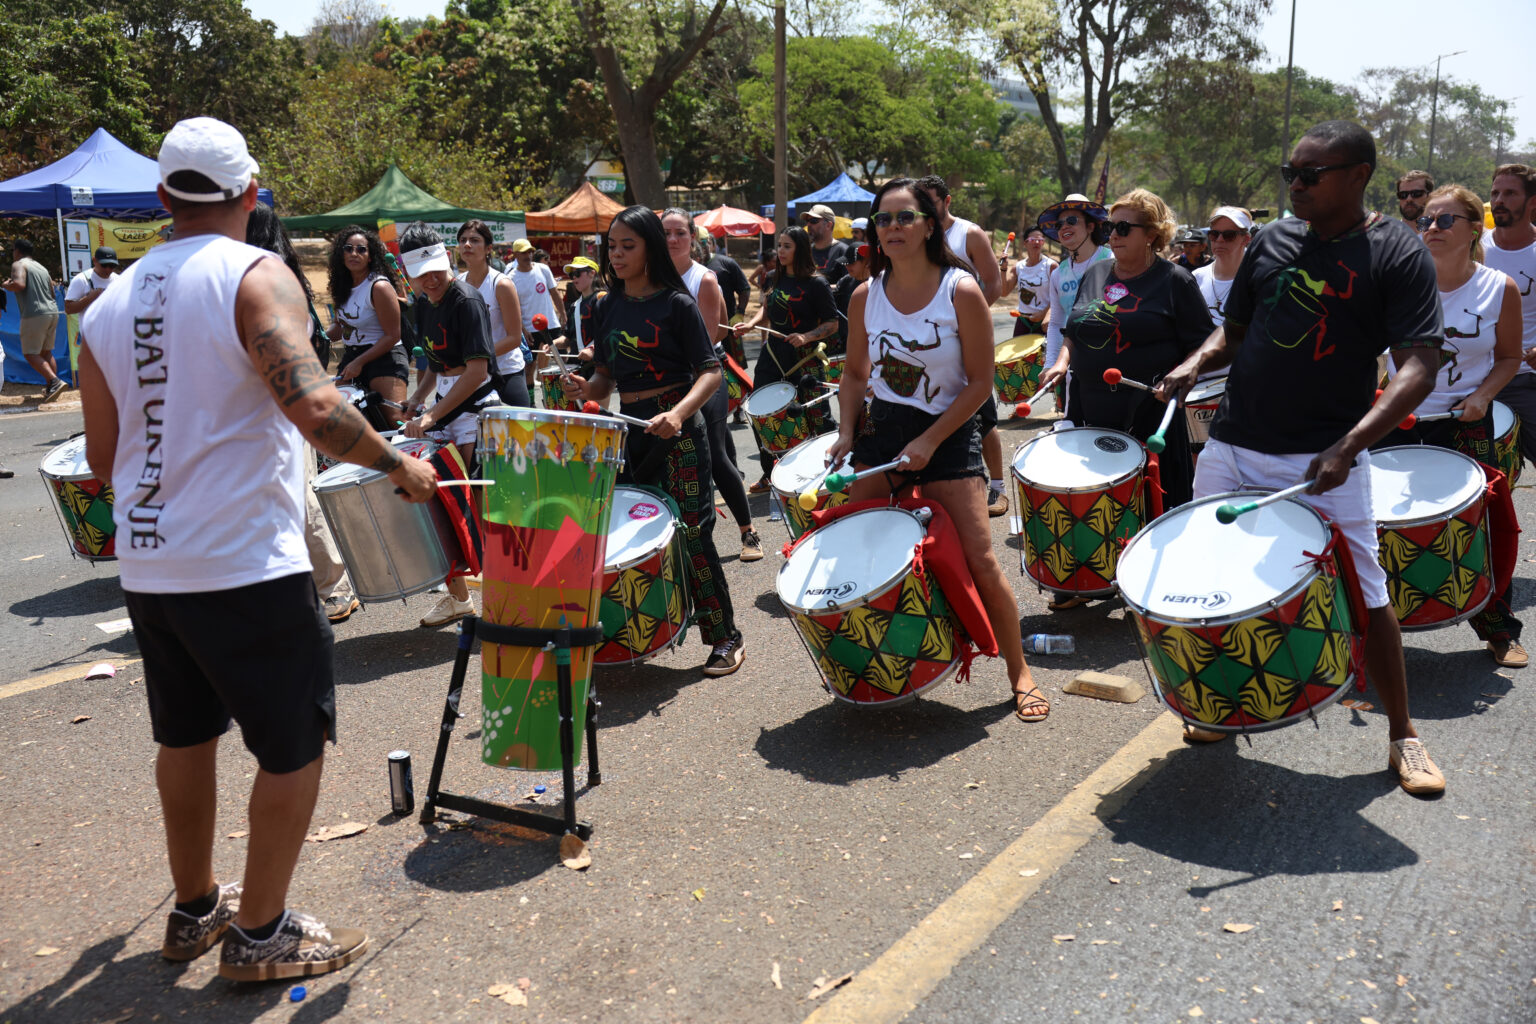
729 220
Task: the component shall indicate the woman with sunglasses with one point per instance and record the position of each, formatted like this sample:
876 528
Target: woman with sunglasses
651 344
1078 225
1483 325
500 297
1230 228
1142 315
799 307
702 284
367 317
922 308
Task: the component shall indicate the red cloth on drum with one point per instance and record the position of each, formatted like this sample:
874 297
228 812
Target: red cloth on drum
941 554
1503 528
1152 484
737 369
462 507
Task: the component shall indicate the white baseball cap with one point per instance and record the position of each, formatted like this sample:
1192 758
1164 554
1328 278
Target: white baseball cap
861 224
426 259
211 148
1239 217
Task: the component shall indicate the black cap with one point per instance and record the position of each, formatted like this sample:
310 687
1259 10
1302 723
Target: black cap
107 256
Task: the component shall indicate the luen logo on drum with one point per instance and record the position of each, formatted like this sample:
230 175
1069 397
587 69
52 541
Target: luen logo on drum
1110 443
838 590
1215 599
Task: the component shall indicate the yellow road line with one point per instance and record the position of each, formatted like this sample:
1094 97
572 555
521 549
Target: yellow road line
910 970
58 675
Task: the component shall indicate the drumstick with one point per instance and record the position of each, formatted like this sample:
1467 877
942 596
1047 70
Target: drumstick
819 398
1454 414
1114 378
466 483
594 409
1229 513
838 482
1008 249
765 330
1155 443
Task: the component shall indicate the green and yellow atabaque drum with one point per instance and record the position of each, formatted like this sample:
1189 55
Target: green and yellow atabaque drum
1247 625
545 520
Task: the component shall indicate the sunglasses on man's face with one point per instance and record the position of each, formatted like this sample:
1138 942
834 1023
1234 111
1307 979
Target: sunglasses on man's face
903 218
1310 176
1411 193
1230 235
355 250
1444 222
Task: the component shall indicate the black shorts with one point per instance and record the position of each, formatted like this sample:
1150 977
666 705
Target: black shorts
887 427
260 654
986 416
391 364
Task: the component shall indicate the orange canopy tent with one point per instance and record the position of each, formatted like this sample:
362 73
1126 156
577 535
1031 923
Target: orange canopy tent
728 220
585 211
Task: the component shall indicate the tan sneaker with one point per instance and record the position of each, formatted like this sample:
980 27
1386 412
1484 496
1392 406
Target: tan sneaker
449 609
997 503
1195 734
300 948
1415 771
1509 653
751 547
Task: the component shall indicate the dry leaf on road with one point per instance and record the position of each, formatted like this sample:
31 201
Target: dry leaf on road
773 976
1195 1011
698 894
1338 905
1063 938
574 853
342 831
1029 872
822 986
512 995
1236 929
79 718
46 951
238 835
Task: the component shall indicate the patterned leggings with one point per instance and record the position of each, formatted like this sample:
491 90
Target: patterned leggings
681 466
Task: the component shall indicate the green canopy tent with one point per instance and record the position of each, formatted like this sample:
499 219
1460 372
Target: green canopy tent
397 198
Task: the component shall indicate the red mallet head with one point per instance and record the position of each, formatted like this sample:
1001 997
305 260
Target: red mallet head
1113 376
1378 395
1014 313
1010 236
591 408
1408 423
540 322
1021 410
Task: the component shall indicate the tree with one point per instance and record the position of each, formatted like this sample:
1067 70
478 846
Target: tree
1104 45
350 123
345 30
641 50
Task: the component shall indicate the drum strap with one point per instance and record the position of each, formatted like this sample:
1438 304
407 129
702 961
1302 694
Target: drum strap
524 636
469 403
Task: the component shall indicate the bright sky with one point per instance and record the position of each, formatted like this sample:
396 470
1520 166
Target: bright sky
1335 39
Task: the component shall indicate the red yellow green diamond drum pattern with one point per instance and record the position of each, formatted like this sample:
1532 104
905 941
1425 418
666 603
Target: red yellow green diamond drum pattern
553 394
1017 365
1506 442
795 473
546 530
879 632
1432 534
645 605
834 369
1246 626
1080 496
83 502
780 421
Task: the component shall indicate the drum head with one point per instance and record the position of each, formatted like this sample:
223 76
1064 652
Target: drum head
1016 348
770 398
1419 482
345 474
641 524
802 465
1187 565
67 461
849 560
1503 419
1079 458
1207 391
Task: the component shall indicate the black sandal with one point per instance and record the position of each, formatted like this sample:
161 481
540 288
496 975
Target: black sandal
1030 698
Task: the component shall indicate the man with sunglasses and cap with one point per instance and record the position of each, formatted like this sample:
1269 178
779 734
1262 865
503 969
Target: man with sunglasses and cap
1192 255
86 286
828 254
1317 299
199 386
1413 191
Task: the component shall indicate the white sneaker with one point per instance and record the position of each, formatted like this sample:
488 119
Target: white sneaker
449 609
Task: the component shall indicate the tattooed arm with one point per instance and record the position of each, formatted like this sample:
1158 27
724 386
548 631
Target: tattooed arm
273 320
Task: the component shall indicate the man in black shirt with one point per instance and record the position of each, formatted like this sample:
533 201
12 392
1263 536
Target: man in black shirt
842 294
733 283
828 255
1316 300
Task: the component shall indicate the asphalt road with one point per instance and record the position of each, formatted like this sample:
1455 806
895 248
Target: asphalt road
748 829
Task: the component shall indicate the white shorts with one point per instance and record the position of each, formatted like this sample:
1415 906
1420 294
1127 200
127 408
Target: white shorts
1225 467
464 429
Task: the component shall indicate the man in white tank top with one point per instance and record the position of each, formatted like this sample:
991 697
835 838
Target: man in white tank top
972 247
197 376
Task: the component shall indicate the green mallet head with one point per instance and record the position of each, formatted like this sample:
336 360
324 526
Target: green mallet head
418 352
1155 444
837 483
1226 514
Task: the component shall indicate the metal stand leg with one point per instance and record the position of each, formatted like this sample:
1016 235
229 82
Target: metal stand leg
594 774
451 715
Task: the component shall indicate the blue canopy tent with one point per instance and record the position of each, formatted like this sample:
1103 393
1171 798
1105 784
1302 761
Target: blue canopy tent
102 178
843 195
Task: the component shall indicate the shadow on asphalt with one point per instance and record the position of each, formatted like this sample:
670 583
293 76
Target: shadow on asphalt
374 657
88 597
1445 685
627 692
839 745
453 858
1215 808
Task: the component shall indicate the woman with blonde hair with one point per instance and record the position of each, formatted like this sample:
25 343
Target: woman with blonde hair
1481 310
1142 315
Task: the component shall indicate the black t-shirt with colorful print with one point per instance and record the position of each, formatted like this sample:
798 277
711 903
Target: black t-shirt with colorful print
455 330
799 304
1143 327
652 342
1318 313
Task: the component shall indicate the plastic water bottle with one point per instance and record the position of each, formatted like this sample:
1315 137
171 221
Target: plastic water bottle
1048 643
775 513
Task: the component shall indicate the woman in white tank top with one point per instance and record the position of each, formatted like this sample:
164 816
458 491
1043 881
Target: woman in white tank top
367 315
920 337
1483 328
500 297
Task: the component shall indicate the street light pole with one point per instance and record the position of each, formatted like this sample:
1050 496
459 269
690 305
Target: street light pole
1285 140
1434 102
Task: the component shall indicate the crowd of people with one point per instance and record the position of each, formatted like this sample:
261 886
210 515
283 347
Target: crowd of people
208 328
